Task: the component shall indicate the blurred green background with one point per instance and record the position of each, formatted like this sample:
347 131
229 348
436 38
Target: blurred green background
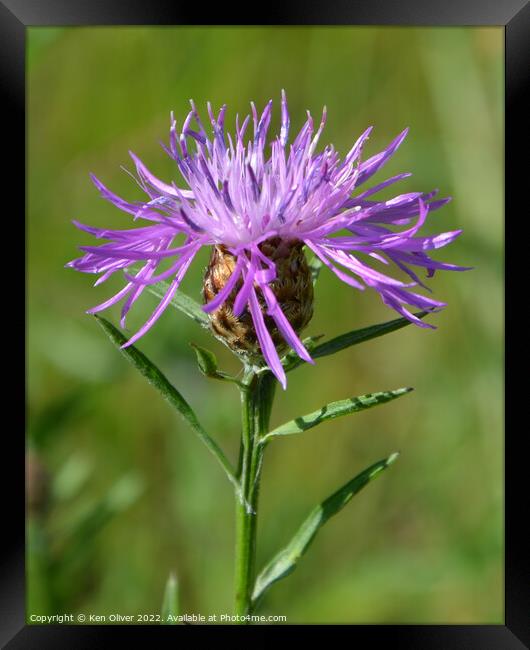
121 490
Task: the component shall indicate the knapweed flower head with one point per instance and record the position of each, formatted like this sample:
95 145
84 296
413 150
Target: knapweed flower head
258 206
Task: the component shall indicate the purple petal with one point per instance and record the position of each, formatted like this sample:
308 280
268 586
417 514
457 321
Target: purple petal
127 254
380 186
161 306
156 182
266 343
354 152
226 290
111 301
114 198
373 164
284 131
320 253
144 273
244 293
283 324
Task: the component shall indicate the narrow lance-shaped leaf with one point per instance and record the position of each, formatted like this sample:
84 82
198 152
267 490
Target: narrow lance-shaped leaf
353 338
157 379
334 410
286 560
170 605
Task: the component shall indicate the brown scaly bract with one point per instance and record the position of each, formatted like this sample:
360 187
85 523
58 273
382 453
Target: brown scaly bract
293 288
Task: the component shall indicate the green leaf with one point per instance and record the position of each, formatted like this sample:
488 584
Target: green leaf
286 560
182 302
335 410
170 604
155 377
353 338
315 266
207 363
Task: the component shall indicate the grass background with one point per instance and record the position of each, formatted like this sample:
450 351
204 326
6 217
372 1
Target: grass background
131 493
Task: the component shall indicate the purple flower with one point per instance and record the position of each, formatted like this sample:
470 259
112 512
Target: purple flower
238 196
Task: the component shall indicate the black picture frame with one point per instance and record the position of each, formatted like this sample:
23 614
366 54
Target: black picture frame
514 15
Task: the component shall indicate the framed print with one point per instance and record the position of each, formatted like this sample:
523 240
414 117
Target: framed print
267 322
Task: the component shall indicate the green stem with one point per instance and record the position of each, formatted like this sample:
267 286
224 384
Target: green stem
257 394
